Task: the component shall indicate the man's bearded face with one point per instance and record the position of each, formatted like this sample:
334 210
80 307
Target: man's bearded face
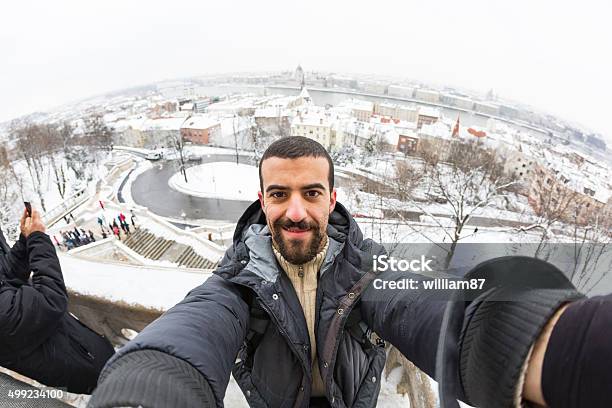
297 203
298 242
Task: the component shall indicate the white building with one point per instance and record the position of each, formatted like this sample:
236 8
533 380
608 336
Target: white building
486 108
144 132
458 101
375 88
401 91
427 95
401 112
360 109
313 125
427 115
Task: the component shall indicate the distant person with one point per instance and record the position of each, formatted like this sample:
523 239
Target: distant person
91 235
38 337
133 219
116 232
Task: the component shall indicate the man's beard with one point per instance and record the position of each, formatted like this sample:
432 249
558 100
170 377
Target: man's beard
291 249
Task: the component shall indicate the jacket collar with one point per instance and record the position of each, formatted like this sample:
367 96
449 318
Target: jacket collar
252 244
340 224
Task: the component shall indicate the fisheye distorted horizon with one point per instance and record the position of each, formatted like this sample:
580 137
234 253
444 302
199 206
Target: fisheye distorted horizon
550 55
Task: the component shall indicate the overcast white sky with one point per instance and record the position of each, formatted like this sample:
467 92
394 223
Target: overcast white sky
555 55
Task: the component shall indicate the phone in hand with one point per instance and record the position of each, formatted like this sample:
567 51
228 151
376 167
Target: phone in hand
28 207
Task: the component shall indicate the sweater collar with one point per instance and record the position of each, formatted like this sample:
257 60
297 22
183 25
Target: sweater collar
313 264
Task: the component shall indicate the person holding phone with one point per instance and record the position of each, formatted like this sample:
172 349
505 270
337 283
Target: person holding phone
39 338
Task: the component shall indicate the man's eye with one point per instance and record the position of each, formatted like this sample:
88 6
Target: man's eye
277 194
313 193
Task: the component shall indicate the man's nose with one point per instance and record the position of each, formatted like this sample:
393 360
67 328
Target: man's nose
296 211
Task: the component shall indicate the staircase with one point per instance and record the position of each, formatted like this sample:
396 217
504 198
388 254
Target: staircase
190 257
153 247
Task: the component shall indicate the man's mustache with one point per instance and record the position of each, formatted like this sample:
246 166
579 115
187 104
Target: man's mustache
302 225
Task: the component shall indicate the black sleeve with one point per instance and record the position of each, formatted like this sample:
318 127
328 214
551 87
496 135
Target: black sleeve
408 319
152 379
17 258
205 330
34 311
577 368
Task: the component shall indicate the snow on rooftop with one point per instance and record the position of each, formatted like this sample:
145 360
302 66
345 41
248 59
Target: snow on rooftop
271 112
200 122
173 123
437 129
311 119
429 111
304 94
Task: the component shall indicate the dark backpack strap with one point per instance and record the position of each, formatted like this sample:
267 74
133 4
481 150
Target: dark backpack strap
360 330
258 322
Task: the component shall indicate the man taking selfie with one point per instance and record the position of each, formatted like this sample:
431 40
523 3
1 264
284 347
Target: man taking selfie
291 309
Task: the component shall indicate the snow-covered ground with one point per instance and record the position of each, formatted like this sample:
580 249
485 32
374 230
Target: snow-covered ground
225 180
208 150
149 286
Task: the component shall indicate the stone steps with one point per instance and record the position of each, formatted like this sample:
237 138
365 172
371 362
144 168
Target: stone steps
153 247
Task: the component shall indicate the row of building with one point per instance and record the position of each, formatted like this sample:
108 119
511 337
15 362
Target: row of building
387 126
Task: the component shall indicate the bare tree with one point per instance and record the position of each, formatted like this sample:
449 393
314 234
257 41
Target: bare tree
261 140
552 202
32 146
235 137
592 236
99 134
178 145
465 177
53 140
413 381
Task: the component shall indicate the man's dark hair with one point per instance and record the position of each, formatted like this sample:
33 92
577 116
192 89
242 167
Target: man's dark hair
294 147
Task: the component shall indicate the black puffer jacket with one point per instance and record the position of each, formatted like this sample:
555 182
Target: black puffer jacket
208 328
38 337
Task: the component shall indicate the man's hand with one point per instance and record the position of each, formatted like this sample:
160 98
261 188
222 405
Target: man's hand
532 388
30 224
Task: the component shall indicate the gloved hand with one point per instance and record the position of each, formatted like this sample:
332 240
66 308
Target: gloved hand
495 327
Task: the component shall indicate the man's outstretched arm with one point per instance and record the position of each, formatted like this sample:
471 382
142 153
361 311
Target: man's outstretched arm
408 319
192 346
500 327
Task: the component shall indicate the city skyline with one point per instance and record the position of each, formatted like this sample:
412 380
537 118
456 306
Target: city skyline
552 58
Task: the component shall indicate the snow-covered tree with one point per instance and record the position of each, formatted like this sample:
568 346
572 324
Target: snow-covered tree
463 177
177 144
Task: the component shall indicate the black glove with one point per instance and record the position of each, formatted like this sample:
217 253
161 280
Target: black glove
495 328
151 379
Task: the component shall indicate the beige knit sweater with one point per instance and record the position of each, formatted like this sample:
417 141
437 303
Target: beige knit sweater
304 278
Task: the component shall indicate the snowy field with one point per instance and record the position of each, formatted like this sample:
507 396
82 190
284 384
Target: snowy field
224 180
148 286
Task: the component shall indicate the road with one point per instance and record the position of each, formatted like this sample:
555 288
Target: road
151 190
